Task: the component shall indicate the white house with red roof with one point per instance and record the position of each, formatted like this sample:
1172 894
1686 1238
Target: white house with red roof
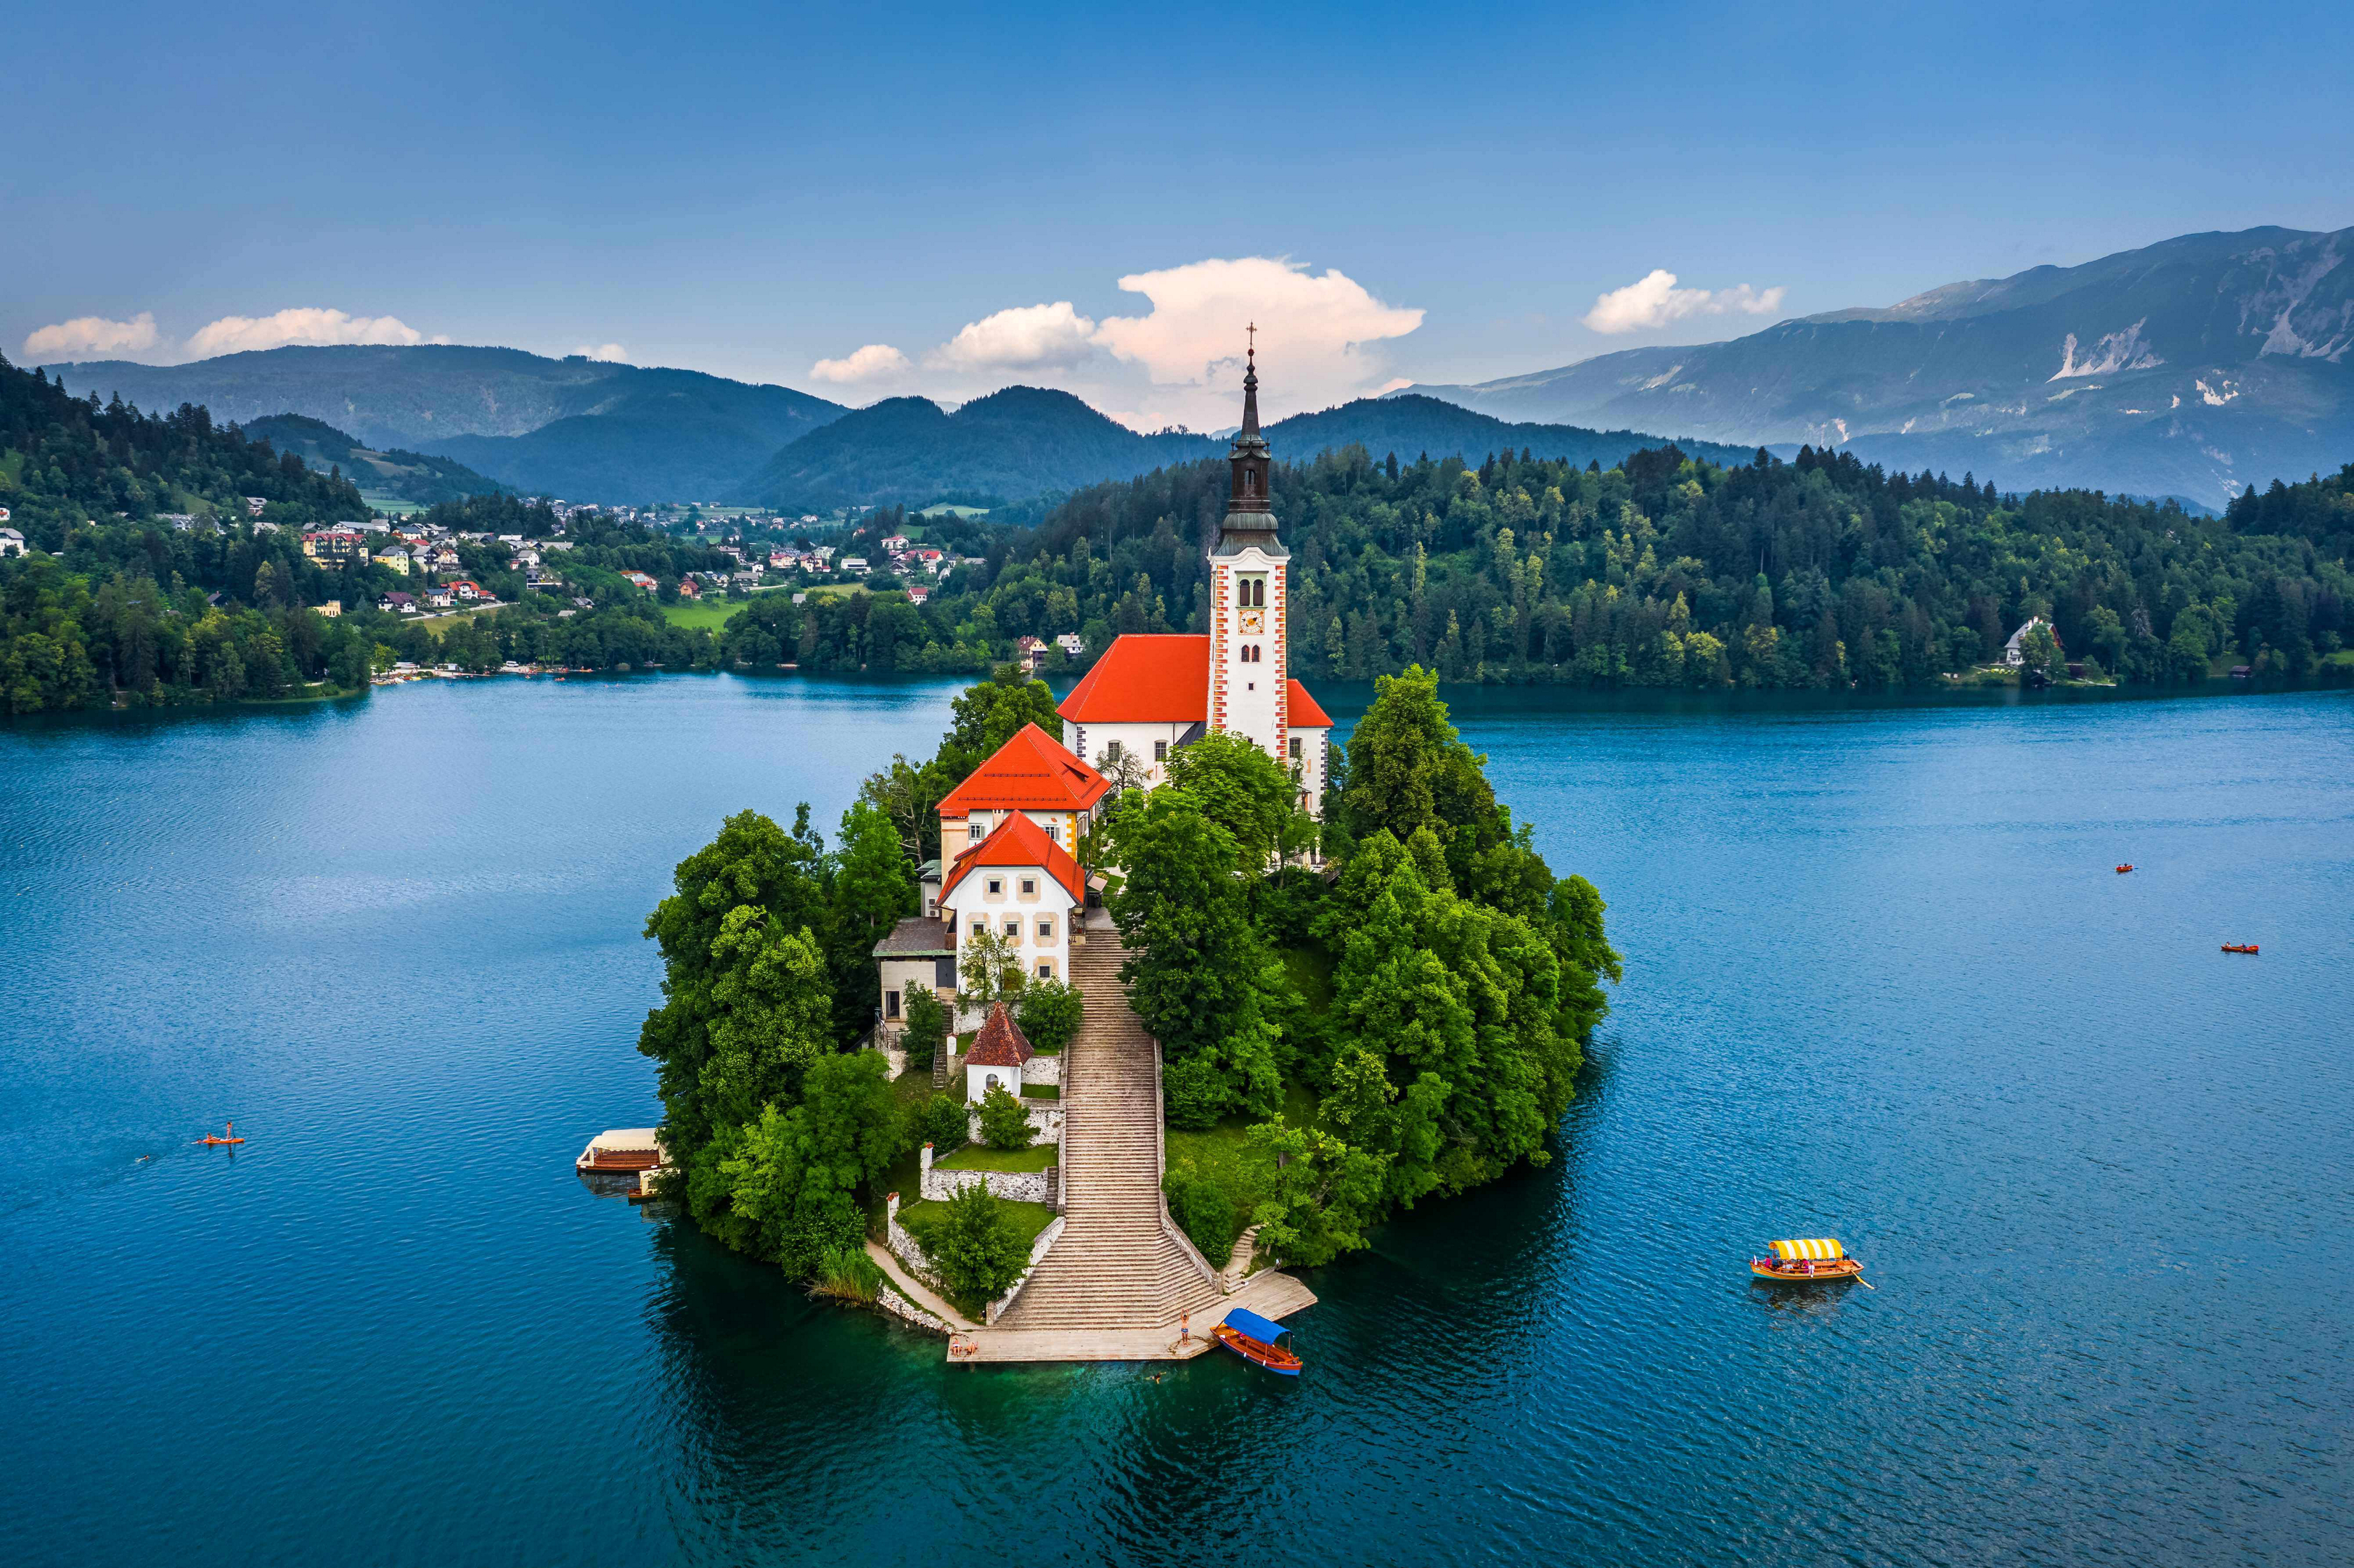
1149 694
1033 775
1022 885
999 1053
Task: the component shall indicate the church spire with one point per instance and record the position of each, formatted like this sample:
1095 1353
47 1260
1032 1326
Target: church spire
1248 456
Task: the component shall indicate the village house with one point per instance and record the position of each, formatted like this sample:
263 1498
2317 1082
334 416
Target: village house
469 592
918 595
1071 644
336 544
2013 653
854 562
1022 885
896 543
919 952
687 588
1152 693
437 599
12 543
642 580
1031 652
1032 775
398 603
394 561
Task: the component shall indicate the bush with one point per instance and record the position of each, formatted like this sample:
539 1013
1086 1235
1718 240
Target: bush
976 1248
847 1274
944 1124
1005 1124
1049 1013
927 1026
1205 1213
1194 1094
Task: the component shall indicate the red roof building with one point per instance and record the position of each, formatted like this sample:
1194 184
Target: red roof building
1032 773
1001 1043
1016 843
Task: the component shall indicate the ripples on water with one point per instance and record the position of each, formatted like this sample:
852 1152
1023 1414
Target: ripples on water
1882 983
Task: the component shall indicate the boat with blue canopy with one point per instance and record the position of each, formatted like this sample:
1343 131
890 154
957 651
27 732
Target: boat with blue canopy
1805 1262
1253 1338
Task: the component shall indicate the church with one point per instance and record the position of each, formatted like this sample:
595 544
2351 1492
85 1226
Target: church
1008 832
1148 695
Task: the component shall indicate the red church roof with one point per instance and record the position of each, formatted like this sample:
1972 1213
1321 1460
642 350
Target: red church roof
1019 842
1032 772
1144 678
1153 678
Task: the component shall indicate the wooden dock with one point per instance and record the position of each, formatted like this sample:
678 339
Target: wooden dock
1269 1293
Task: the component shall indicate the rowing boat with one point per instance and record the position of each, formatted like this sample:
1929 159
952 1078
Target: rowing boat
1253 1338
1808 1262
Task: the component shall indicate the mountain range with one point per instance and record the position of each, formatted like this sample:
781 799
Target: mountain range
1015 443
577 428
2192 368
2195 367
392 475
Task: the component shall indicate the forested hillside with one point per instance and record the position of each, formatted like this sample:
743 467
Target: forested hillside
1821 572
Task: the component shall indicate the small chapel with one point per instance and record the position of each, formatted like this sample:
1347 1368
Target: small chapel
1008 832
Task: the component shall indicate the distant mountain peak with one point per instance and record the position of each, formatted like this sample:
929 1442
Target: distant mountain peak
2109 374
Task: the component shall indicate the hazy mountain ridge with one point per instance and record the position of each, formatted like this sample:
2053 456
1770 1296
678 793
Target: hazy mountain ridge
2195 367
411 476
1026 440
578 427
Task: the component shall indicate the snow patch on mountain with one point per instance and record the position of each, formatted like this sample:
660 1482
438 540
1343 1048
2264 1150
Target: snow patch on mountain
2116 353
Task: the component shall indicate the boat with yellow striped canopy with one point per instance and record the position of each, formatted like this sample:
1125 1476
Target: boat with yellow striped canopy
1806 1262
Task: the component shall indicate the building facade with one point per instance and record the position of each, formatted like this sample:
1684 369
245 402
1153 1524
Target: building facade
1150 694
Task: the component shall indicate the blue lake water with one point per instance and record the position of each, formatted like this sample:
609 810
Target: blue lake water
1882 983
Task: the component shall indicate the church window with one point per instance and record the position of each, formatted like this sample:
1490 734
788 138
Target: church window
1160 751
1045 927
1013 929
1295 748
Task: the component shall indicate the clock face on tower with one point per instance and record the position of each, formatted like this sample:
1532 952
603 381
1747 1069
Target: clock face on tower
1254 621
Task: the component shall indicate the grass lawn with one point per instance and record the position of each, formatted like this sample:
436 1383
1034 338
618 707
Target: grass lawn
1029 1219
1226 1155
1042 1091
980 1157
707 614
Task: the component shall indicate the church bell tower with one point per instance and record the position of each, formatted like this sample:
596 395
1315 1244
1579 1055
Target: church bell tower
1250 671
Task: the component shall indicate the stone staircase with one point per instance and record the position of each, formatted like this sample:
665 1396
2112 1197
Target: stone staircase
1117 1265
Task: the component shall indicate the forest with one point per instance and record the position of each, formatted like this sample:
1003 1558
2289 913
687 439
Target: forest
1822 572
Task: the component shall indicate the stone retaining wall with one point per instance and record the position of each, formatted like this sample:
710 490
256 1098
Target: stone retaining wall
1039 1249
898 1305
1043 1070
1046 1123
1015 1186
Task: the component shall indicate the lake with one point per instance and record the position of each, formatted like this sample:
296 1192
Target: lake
1882 983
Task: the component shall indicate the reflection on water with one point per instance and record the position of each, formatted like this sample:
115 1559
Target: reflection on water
1882 985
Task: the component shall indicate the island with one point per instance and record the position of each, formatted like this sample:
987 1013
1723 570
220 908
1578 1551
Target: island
1092 1024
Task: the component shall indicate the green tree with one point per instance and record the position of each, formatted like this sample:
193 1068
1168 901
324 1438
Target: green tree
1004 1125
752 864
1247 793
788 1186
975 1247
927 1026
989 969
1198 974
1325 1194
873 889
1049 1012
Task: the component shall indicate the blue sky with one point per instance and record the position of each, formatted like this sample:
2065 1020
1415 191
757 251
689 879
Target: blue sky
758 190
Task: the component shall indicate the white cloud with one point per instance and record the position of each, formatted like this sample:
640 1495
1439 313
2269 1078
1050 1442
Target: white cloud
1654 300
1180 361
92 335
1317 333
1024 337
871 363
239 334
611 352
